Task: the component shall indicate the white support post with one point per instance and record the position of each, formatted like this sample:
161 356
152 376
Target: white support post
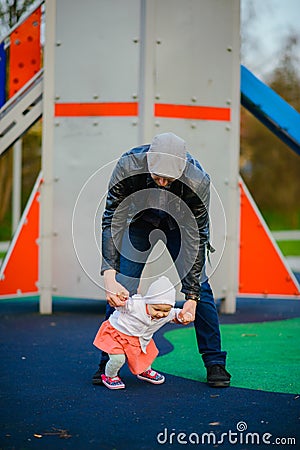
17 184
146 82
233 219
46 223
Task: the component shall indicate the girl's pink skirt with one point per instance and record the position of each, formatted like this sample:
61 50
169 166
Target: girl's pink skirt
114 342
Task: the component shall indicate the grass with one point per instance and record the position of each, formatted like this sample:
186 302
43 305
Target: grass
5 230
261 356
278 221
289 248
2 256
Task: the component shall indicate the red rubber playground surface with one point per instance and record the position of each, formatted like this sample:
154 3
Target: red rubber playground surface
48 401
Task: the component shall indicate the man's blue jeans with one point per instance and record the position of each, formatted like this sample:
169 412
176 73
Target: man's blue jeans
131 267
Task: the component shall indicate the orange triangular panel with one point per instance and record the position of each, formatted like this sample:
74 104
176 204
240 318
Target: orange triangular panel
263 269
19 272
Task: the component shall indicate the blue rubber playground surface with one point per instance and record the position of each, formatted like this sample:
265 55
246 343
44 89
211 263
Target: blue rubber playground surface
48 401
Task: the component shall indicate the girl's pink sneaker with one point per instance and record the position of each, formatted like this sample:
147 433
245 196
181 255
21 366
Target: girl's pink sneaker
152 377
112 383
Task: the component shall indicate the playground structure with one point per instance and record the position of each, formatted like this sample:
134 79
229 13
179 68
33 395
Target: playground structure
109 88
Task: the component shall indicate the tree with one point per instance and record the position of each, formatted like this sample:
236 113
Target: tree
12 10
285 78
268 166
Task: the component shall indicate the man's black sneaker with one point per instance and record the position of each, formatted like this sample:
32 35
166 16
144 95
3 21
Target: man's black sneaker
97 376
217 376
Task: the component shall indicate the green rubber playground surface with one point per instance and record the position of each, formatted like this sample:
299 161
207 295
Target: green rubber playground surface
262 356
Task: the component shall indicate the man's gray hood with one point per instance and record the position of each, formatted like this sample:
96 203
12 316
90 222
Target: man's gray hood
167 155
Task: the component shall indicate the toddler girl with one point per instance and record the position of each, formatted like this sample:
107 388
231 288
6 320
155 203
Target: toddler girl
127 334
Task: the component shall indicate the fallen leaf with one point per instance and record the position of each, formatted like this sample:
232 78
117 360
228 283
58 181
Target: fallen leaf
62 434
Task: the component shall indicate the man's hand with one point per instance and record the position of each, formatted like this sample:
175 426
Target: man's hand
116 294
187 315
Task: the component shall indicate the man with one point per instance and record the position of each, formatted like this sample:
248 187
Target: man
155 189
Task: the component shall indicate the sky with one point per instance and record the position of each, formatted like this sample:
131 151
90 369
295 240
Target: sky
266 30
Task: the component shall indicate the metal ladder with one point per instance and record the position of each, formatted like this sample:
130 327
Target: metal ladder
21 111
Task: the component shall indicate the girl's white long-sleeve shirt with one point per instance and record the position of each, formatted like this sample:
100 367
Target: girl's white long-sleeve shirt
132 319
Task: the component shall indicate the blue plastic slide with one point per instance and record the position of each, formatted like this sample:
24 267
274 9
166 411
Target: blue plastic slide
2 74
267 106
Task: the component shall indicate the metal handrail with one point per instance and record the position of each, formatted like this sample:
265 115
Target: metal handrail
21 91
21 113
